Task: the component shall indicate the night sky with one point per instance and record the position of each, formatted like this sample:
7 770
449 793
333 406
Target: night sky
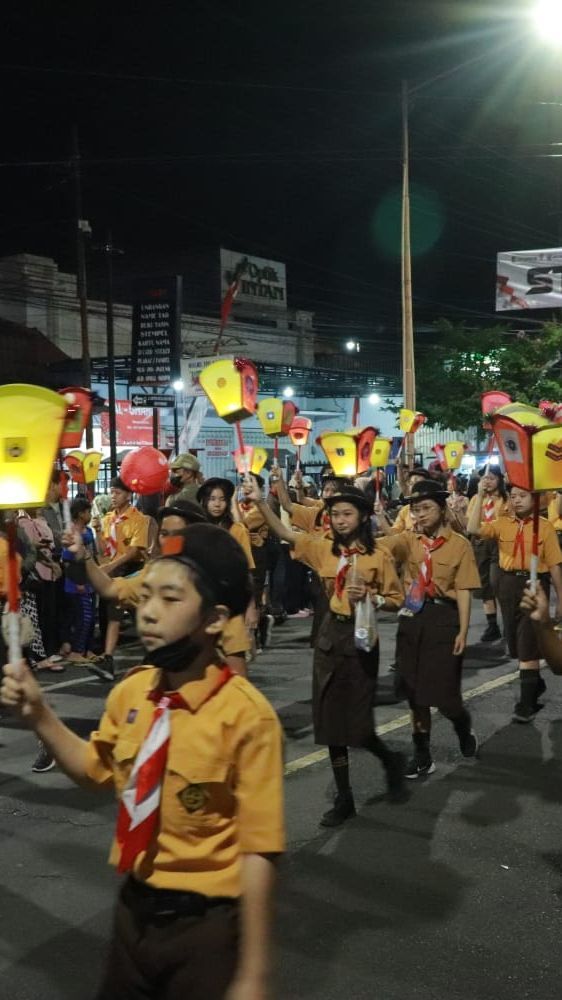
275 129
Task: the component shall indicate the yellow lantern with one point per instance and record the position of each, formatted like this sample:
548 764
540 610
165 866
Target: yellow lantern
348 452
276 416
232 387
453 453
31 421
410 421
380 454
83 466
250 460
531 447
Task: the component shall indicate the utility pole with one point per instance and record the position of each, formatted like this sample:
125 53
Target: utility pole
408 364
82 230
110 252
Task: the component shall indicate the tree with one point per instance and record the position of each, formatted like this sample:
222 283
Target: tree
462 364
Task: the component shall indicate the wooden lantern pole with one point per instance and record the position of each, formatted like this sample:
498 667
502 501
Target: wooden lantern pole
408 365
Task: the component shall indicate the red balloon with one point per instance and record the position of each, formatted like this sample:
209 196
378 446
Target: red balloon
145 470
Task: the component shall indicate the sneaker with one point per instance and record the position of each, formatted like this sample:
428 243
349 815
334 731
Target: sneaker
469 744
104 668
395 768
43 761
343 808
524 713
419 768
491 634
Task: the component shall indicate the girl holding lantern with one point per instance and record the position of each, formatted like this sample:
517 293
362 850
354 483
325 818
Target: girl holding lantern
344 677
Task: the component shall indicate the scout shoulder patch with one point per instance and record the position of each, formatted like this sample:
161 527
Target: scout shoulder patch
193 797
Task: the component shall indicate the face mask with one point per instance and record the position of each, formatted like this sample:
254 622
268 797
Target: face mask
176 657
176 479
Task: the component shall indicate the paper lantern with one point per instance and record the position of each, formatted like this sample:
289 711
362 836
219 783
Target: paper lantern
145 470
380 454
83 465
79 403
530 445
493 400
348 452
453 455
411 421
276 416
552 411
232 387
31 421
439 450
299 431
250 460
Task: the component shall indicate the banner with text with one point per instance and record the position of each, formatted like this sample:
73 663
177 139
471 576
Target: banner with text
263 283
134 425
529 279
156 331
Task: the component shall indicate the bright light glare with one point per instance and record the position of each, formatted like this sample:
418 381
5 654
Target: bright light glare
288 392
374 398
547 19
350 345
178 385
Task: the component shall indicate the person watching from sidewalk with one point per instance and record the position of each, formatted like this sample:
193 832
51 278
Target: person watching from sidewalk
351 568
514 535
234 641
493 505
80 594
439 575
194 755
122 543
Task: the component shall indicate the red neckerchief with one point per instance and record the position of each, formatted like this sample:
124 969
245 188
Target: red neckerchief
519 543
139 807
489 510
425 578
346 556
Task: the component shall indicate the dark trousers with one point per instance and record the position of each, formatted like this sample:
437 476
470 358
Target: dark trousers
170 957
519 630
50 605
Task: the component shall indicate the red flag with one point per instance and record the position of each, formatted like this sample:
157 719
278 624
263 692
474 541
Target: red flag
232 291
355 412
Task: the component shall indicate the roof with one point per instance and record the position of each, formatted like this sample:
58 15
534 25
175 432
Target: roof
25 355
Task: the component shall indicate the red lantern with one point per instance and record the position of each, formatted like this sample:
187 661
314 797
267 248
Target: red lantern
492 401
79 402
299 430
145 470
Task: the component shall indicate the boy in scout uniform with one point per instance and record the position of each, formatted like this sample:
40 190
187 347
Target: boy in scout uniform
194 754
493 505
440 573
351 568
514 535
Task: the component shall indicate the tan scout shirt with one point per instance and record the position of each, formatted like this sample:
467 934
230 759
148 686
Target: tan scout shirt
453 564
377 570
505 530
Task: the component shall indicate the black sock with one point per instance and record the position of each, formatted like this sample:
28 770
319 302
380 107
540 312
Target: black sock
462 724
339 759
492 619
529 686
421 744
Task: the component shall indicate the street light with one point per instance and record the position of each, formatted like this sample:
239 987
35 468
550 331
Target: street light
547 19
288 392
178 385
374 399
352 345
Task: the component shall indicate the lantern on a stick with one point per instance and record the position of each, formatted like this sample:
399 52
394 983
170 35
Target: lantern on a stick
379 459
299 433
83 466
410 421
531 447
250 460
232 388
276 416
79 403
31 424
145 470
348 452
552 411
492 401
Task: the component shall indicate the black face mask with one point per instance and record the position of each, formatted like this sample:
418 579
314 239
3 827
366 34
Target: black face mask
178 656
176 480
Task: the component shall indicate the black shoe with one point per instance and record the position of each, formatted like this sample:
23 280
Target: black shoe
395 774
469 744
419 767
524 713
104 669
43 761
343 808
491 634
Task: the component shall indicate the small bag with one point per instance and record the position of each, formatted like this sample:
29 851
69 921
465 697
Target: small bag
365 632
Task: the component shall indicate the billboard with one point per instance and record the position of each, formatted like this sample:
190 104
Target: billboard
156 331
263 283
529 279
134 425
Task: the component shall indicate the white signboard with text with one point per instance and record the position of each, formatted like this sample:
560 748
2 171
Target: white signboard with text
529 279
263 283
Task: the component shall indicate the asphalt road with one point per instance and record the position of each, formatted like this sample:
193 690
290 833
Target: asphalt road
453 895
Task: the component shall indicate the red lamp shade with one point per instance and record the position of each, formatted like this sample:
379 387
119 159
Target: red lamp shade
299 431
145 470
79 407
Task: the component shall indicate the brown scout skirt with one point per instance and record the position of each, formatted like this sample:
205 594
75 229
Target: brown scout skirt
343 686
429 672
521 637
